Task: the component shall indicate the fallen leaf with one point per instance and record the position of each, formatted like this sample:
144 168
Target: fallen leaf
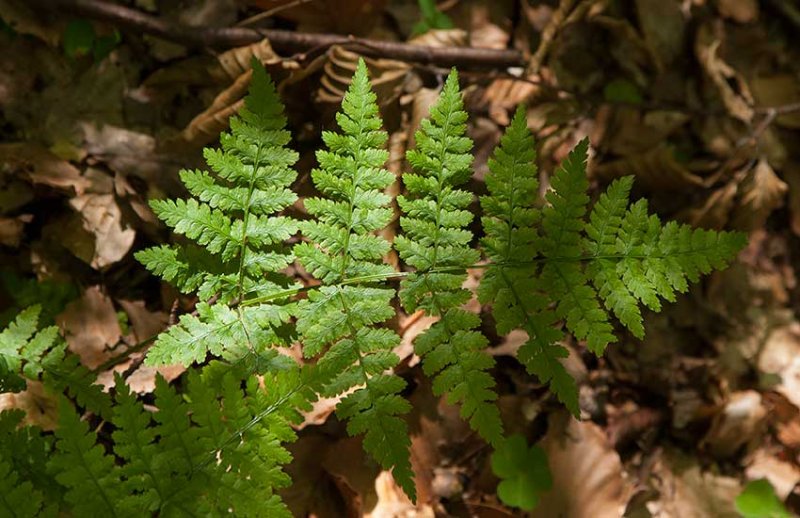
102 217
91 326
40 406
730 85
780 356
588 479
741 422
783 475
42 167
778 90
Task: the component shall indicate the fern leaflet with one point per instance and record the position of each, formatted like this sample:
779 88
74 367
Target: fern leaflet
434 239
341 319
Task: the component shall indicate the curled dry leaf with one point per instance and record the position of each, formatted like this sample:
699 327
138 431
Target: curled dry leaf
588 479
730 85
41 167
90 326
716 209
761 192
207 126
101 216
393 502
386 76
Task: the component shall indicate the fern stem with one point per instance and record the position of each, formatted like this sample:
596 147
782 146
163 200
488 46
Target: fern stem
245 218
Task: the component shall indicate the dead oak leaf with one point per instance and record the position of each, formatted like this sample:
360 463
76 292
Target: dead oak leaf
102 217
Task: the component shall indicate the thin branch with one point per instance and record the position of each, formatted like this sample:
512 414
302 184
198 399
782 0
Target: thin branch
281 40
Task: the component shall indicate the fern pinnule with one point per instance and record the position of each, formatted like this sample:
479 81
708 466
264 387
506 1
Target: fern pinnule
341 318
434 238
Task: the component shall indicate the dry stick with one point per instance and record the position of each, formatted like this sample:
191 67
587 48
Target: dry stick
282 40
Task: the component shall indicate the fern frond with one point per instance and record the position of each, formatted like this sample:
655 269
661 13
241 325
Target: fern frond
435 238
340 320
18 499
232 218
511 243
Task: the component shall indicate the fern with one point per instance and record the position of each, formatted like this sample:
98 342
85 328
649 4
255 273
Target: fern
232 219
216 447
619 258
435 242
340 318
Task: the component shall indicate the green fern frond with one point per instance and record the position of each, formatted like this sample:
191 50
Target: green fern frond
434 238
18 499
232 218
511 241
340 320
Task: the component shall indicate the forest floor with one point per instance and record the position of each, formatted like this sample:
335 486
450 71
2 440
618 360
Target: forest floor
699 99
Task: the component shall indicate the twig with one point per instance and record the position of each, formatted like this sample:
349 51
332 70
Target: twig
269 13
281 40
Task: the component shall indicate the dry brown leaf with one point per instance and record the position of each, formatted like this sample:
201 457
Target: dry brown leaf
783 475
730 85
588 479
40 406
386 76
90 326
206 127
101 216
760 193
656 169
441 38
780 355
393 502
23 19
741 422
41 167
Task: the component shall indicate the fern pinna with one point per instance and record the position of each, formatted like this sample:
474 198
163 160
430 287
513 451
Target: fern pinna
436 244
215 447
346 256
574 270
241 241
